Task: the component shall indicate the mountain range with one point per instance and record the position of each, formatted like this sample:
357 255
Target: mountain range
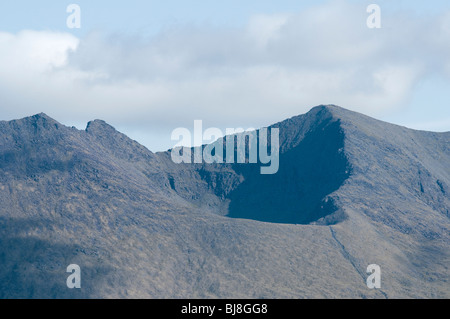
350 191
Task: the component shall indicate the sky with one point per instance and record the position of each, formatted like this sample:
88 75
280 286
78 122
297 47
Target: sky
148 67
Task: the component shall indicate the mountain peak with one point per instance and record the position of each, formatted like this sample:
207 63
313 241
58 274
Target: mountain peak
115 141
39 116
327 107
37 121
99 126
335 110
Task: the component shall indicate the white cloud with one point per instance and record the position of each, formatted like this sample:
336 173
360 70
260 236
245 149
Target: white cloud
263 28
276 66
34 52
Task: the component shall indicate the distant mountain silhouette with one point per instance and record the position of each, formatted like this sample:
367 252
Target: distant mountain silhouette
350 191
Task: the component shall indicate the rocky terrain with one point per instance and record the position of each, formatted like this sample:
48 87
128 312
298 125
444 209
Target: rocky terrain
350 191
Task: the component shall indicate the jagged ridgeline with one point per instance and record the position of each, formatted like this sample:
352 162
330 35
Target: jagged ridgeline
349 191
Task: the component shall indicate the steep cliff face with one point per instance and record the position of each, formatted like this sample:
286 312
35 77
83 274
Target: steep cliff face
312 165
350 191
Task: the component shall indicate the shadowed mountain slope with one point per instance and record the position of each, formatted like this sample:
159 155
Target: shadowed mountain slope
350 191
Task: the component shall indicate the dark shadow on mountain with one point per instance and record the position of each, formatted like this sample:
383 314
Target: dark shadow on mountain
36 268
297 193
30 162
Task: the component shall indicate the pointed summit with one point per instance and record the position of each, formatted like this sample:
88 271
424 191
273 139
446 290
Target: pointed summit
115 141
99 127
40 117
37 122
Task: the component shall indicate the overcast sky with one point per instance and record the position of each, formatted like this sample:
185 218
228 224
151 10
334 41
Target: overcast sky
148 67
